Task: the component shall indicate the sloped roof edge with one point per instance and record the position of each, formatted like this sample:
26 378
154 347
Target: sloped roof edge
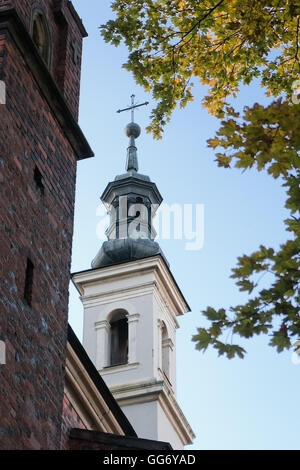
100 384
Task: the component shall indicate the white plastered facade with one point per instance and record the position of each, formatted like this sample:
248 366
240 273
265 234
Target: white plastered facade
145 387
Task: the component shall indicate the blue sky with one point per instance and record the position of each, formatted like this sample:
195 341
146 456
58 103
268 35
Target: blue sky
231 404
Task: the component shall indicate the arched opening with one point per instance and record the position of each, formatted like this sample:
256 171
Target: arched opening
165 351
118 344
41 36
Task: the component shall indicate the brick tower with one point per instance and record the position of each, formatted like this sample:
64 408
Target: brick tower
40 143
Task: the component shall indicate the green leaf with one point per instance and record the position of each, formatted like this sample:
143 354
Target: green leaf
214 315
280 341
202 339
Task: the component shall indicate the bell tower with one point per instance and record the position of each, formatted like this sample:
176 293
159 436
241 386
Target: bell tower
131 303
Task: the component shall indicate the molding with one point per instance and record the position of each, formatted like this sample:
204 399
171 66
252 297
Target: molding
164 309
114 294
167 307
137 392
86 399
77 19
39 9
116 270
168 343
113 306
133 317
84 380
102 325
154 390
166 380
175 414
131 184
11 22
163 278
119 368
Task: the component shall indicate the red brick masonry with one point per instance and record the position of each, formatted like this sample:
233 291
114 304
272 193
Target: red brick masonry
36 223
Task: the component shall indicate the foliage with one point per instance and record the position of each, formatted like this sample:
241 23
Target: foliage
266 138
223 44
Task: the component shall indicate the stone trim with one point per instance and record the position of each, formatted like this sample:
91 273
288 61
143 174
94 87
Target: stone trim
85 398
164 278
98 441
156 390
77 20
114 295
95 402
119 368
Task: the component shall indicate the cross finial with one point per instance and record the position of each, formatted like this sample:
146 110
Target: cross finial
133 131
133 107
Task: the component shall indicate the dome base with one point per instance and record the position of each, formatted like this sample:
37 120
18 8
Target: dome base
125 250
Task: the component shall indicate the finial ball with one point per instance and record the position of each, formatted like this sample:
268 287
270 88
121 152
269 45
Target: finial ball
133 130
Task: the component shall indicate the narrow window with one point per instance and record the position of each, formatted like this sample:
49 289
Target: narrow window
28 282
40 36
118 342
39 180
165 353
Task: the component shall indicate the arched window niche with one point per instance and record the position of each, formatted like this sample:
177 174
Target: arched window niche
41 35
165 351
118 338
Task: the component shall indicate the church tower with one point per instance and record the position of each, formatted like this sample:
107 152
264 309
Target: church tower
131 304
40 144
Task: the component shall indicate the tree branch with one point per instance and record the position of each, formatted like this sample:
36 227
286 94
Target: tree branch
197 24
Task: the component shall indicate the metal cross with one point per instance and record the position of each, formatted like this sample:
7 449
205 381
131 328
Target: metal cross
133 107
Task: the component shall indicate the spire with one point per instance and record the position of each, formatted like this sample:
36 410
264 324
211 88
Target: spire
132 200
133 131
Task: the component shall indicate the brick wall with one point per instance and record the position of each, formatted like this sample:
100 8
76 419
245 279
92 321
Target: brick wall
70 420
37 190
66 43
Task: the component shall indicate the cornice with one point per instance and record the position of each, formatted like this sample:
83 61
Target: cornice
87 400
77 20
90 394
11 22
156 264
152 390
115 294
117 369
